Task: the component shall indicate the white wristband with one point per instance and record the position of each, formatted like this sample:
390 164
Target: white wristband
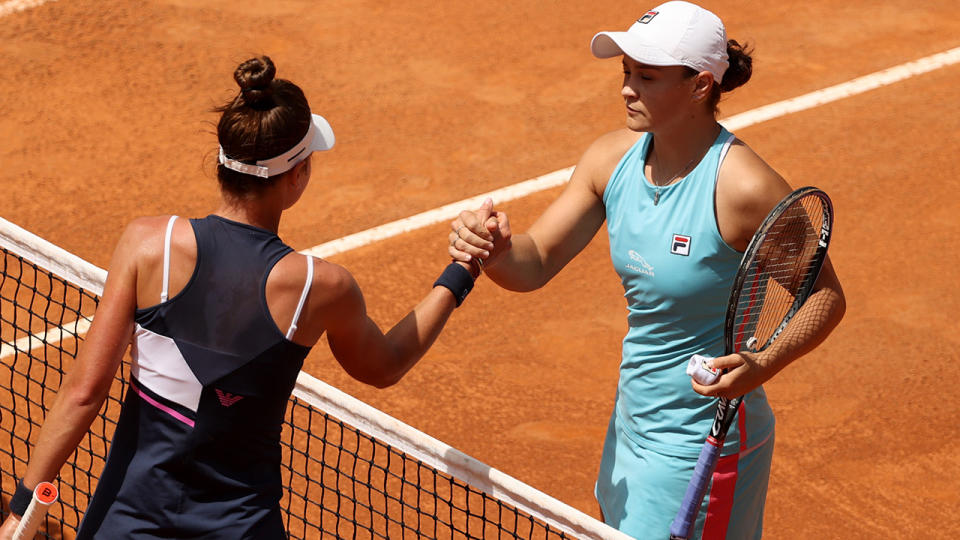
701 369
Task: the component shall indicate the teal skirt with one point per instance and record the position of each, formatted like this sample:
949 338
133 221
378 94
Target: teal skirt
639 490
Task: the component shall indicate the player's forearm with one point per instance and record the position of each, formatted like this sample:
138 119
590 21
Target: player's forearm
410 338
818 316
381 360
520 269
66 423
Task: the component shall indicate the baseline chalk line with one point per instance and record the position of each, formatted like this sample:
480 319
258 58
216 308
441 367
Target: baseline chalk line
557 178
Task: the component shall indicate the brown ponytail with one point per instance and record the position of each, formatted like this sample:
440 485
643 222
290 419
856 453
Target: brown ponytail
741 66
266 118
738 72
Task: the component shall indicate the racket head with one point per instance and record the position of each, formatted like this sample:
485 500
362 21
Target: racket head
778 270
776 275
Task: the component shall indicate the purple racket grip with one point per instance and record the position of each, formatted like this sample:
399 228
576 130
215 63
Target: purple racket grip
682 525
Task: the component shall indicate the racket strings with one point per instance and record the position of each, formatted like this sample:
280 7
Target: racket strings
780 273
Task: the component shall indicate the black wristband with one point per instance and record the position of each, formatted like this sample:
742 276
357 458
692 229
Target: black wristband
457 279
20 500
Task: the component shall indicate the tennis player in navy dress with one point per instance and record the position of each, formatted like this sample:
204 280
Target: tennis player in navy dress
218 314
196 451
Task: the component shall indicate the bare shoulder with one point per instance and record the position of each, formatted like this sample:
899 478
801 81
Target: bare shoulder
331 275
143 238
335 286
329 279
602 157
746 180
607 150
747 189
143 228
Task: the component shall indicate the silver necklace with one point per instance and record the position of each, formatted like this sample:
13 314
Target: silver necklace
658 185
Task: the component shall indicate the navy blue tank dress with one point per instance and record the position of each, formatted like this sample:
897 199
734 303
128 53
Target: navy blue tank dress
196 452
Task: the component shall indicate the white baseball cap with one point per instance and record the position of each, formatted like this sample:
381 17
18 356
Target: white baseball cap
319 137
671 34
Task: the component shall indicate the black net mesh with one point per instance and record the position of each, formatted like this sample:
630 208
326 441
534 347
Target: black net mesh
340 482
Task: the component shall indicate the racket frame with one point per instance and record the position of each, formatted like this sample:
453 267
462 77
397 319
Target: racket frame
682 526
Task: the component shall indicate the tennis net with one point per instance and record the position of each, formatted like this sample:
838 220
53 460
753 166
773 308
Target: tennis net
350 471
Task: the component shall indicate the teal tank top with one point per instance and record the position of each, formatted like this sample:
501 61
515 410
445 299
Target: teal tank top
676 272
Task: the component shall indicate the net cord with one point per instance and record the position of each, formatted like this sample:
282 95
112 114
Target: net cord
52 257
366 418
449 460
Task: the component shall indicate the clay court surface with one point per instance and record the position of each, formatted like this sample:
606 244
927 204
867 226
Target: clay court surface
106 117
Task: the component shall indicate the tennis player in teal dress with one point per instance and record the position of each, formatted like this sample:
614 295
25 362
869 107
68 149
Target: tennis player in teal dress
658 424
681 197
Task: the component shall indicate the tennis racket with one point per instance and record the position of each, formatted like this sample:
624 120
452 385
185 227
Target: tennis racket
44 495
775 277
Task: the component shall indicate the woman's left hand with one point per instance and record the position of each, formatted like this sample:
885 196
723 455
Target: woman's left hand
9 527
741 373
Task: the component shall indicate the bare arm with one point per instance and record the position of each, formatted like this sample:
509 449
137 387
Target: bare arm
818 316
526 262
558 235
89 379
358 344
747 190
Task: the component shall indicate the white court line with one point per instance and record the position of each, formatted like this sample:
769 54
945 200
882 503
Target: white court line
556 178
437 215
15 6
53 335
843 90
57 260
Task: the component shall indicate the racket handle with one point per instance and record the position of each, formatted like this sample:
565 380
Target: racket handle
44 495
682 525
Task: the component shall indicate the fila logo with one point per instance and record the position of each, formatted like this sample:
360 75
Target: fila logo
647 17
227 399
680 245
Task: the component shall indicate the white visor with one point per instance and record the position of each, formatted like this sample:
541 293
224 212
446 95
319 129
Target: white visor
319 137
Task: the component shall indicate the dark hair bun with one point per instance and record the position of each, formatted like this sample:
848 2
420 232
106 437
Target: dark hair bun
741 66
254 78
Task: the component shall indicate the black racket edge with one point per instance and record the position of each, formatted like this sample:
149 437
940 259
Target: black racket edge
683 524
750 254
727 409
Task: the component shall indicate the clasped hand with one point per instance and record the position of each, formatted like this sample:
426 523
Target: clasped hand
483 234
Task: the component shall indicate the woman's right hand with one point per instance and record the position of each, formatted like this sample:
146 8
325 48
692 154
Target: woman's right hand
481 233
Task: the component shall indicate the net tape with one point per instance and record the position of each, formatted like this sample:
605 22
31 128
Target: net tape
349 470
